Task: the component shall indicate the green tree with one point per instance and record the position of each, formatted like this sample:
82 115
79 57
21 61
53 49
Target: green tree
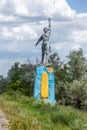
77 64
14 73
54 60
21 78
60 73
77 93
27 79
3 84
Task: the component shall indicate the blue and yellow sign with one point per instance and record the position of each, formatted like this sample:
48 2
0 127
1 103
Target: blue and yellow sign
44 84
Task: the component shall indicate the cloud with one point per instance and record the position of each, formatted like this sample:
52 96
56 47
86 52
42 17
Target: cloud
7 18
76 47
22 23
32 8
80 36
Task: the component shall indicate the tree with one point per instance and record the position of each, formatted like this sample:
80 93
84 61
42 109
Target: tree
27 79
77 93
54 60
3 84
21 78
14 73
60 73
77 64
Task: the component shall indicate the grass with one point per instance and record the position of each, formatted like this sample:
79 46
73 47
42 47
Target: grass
26 113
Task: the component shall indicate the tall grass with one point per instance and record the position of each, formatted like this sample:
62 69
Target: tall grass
26 113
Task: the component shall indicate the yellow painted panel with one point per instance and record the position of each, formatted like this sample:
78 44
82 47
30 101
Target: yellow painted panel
44 85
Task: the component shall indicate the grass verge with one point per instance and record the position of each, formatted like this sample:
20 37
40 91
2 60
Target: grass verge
26 113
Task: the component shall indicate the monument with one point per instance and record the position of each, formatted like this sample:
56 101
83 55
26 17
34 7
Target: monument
45 42
44 77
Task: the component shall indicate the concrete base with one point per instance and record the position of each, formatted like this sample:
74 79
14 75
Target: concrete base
37 85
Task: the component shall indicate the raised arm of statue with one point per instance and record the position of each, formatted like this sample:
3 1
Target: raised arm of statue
49 26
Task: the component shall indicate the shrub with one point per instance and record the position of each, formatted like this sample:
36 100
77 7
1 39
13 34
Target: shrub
78 93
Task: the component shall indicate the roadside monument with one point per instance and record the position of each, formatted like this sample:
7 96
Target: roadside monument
44 77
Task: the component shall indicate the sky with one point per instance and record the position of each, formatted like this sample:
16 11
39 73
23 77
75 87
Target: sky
78 5
22 23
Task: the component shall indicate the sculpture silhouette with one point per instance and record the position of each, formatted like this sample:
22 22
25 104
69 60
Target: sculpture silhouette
45 42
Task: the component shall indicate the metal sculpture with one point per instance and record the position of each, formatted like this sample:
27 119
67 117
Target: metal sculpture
45 42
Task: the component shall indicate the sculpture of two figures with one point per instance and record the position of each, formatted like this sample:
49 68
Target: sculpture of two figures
45 43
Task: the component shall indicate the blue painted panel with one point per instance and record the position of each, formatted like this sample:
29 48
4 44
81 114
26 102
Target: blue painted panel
37 84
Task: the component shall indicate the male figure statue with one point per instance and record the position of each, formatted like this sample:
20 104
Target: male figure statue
45 42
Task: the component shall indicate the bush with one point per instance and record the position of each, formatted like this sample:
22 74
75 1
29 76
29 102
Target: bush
15 86
3 84
76 93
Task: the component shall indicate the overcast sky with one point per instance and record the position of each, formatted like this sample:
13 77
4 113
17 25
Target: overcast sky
22 22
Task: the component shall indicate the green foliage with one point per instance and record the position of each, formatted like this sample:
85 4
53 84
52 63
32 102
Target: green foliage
61 75
14 73
74 94
15 85
77 64
77 92
27 81
65 118
26 113
54 60
21 78
3 84
70 79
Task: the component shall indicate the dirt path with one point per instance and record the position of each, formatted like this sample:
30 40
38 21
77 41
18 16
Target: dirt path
3 121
